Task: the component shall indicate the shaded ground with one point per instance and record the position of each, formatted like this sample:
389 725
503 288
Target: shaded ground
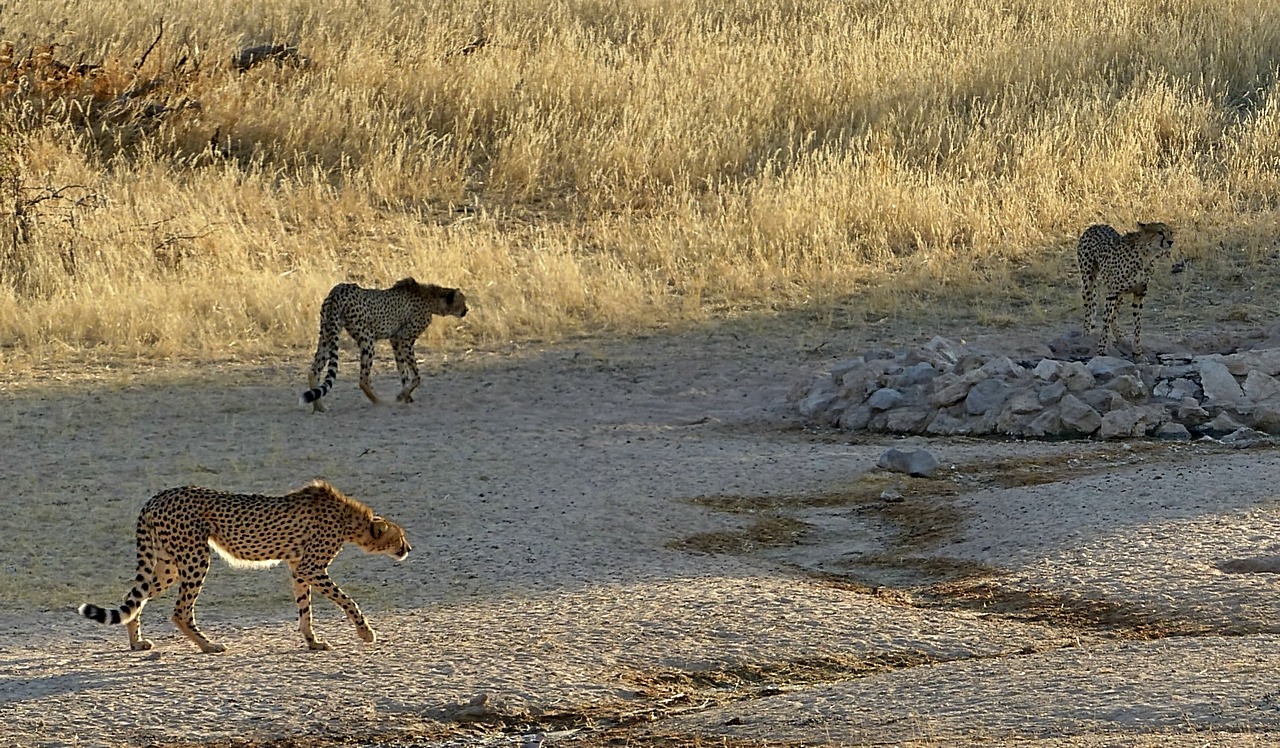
637 542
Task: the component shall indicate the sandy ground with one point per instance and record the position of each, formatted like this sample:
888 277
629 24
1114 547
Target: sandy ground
637 542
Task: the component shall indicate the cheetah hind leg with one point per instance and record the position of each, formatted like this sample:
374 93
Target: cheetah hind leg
1089 295
407 365
184 611
1108 332
165 575
366 367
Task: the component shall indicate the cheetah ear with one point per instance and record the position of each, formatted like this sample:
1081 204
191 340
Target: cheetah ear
449 297
377 527
1143 226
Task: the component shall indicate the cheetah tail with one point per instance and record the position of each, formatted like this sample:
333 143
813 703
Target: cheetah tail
330 376
113 616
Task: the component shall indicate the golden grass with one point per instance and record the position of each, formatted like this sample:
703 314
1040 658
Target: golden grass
611 166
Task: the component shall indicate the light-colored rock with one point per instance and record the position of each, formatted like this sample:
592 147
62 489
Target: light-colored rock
820 397
1261 387
1265 418
945 389
986 396
1177 390
1218 384
1047 369
1051 393
1137 421
1104 400
1077 417
917 373
884 399
1266 361
1048 423
1221 425
1171 431
856 418
1023 403
907 420
1076 376
1188 411
847 366
1128 386
1245 437
946 424
942 349
1003 367
1174 371
1006 421
918 462
1106 368
970 362
951 388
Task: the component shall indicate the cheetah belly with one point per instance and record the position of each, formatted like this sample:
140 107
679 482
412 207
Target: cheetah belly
247 561
256 549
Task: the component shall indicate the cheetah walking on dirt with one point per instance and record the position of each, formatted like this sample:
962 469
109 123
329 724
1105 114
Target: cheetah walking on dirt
399 314
306 529
1124 265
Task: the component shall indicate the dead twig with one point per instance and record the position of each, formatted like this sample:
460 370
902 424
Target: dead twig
138 65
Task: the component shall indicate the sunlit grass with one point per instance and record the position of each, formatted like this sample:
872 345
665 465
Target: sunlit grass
611 166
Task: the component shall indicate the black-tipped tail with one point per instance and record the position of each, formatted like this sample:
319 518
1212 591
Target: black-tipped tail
111 616
101 615
331 376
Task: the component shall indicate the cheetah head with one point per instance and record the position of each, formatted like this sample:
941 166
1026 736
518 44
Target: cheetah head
384 537
1155 238
455 302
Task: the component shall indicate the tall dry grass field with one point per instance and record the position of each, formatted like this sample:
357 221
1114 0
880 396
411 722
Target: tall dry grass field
609 165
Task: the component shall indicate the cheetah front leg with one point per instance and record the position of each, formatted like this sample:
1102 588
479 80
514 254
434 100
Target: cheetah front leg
1108 323
366 366
407 365
302 593
1090 297
320 581
1138 297
184 611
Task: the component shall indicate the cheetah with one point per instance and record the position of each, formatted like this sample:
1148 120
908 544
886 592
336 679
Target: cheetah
306 529
1124 265
399 314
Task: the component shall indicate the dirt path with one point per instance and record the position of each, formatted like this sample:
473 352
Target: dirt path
639 539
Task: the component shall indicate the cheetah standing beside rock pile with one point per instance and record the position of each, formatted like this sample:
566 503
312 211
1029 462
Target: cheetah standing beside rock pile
1123 264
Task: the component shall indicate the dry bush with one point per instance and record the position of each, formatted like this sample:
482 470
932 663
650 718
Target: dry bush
582 165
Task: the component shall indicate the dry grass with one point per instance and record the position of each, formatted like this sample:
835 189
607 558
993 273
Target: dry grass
610 166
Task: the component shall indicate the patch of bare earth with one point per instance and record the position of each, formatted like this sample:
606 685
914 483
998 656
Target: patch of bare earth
638 543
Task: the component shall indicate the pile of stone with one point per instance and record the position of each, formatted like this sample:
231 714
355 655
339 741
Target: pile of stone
944 389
